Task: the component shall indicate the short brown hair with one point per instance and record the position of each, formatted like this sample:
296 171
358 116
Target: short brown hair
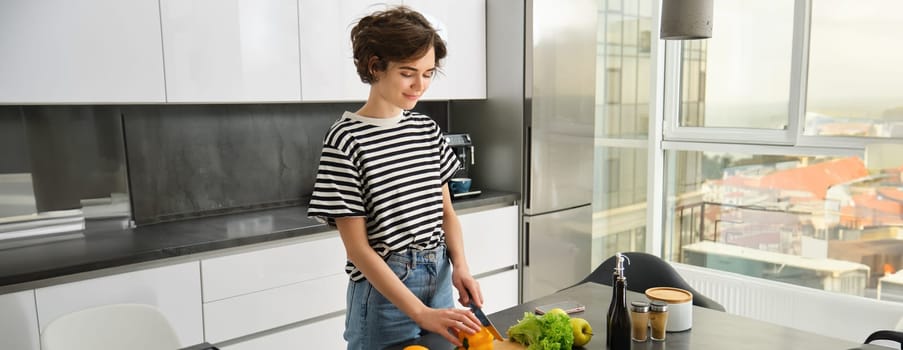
398 34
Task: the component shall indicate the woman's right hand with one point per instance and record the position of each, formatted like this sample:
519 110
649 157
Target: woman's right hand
440 321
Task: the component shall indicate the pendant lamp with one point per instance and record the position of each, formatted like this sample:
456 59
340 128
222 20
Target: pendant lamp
686 19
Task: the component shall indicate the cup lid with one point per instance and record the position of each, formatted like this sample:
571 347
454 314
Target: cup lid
669 294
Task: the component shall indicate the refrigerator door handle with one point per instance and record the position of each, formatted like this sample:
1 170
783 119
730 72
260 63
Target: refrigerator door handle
528 172
526 244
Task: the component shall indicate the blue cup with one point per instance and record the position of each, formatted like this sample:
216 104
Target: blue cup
459 185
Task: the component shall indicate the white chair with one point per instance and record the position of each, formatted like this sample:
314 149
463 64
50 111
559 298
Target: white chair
109 327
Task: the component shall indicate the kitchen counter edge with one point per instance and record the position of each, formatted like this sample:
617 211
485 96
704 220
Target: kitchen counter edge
95 254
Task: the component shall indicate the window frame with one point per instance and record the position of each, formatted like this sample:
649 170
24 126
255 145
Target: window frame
673 131
667 135
792 136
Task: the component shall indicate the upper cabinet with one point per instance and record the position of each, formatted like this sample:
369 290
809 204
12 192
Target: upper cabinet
462 24
214 51
90 51
231 50
327 66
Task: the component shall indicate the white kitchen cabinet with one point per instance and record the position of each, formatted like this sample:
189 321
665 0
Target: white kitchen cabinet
499 291
231 50
327 66
261 269
175 290
462 24
490 244
90 51
247 314
324 334
490 239
327 63
273 286
19 321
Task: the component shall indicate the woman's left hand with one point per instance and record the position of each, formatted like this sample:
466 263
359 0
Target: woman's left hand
468 288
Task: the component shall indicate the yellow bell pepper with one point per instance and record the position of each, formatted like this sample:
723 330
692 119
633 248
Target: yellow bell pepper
481 340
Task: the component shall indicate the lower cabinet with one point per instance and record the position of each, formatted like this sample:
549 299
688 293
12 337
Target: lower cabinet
255 312
490 243
265 298
175 290
289 295
274 286
324 334
490 239
499 291
19 321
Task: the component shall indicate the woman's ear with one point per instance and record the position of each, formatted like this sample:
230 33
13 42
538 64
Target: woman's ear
372 67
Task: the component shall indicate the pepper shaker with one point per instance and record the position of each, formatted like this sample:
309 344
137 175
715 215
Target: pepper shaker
658 318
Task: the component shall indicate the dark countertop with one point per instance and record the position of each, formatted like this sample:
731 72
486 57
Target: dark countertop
711 329
95 250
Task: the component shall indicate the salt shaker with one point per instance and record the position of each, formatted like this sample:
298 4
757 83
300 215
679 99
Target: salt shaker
639 317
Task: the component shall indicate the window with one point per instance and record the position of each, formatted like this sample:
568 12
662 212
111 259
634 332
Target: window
623 78
855 83
769 145
740 85
740 78
622 68
775 216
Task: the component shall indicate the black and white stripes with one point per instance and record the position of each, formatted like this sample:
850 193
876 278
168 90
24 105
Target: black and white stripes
389 170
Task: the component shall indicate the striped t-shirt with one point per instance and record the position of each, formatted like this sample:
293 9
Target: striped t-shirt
390 171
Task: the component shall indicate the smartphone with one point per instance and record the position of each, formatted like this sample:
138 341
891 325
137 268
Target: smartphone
568 306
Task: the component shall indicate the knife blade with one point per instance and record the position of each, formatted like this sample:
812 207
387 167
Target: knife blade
486 322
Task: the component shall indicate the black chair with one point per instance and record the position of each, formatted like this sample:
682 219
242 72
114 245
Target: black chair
646 271
896 336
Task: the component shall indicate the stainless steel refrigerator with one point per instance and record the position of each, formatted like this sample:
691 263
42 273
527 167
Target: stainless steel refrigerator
534 132
560 91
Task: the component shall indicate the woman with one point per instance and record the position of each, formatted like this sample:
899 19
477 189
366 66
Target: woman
382 181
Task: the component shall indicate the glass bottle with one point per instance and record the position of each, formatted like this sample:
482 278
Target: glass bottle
618 320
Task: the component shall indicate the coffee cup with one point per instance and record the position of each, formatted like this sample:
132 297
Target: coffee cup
459 185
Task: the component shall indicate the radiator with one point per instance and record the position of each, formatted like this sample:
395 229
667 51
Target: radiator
831 314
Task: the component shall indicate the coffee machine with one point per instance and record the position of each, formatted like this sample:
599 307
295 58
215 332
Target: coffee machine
462 145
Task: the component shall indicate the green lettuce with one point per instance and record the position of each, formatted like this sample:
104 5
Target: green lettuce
546 332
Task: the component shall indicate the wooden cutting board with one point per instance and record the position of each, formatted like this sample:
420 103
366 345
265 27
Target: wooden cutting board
507 345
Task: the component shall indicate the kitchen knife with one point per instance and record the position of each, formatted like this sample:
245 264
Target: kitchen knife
486 322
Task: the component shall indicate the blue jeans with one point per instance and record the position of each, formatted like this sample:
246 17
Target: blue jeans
373 322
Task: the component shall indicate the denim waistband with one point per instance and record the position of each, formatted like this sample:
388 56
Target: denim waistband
419 256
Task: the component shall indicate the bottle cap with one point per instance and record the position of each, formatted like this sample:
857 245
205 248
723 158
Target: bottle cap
619 265
659 306
639 306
